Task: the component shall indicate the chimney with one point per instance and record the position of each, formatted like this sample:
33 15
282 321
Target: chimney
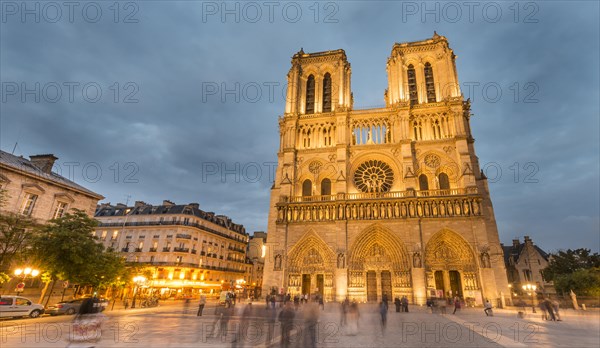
516 243
140 204
168 203
194 205
528 240
43 162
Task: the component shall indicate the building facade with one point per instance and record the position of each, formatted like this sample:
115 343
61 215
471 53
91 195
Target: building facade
256 254
524 264
391 200
183 249
31 188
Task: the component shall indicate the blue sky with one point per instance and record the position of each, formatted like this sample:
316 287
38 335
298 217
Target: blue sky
156 133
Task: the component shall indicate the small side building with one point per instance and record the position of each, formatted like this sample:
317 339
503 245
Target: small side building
524 264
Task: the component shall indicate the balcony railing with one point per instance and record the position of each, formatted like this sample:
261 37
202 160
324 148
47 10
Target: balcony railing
184 236
193 251
166 249
379 195
152 250
138 250
239 250
237 236
181 250
450 203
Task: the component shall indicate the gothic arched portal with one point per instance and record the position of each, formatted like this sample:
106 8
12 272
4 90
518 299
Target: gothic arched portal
450 264
378 265
311 266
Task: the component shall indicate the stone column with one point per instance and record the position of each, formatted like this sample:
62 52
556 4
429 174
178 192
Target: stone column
446 282
419 285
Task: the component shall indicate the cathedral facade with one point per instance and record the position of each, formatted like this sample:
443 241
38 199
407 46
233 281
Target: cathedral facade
390 200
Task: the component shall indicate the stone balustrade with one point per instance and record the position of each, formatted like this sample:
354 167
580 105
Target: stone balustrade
376 206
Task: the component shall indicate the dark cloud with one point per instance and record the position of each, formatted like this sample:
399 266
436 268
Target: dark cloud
172 138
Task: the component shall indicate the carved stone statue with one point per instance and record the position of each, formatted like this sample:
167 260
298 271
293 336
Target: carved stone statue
485 260
278 263
417 260
341 261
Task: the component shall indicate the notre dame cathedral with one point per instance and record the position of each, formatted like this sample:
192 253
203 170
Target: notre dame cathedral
391 200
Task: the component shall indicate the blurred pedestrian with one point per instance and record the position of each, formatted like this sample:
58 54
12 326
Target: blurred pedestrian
456 304
271 317
227 312
550 309
385 301
398 303
87 324
487 308
404 302
353 316
126 302
383 312
555 307
201 305
544 310
345 308
286 317
311 320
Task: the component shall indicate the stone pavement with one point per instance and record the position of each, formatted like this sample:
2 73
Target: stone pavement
178 326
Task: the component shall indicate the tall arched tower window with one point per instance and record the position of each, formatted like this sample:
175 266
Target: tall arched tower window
327 93
444 181
325 187
429 84
423 182
310 95
412 85
307 188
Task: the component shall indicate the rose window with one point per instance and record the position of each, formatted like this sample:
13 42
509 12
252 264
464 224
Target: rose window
374 176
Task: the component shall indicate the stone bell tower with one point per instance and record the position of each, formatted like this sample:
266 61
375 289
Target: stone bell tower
384 201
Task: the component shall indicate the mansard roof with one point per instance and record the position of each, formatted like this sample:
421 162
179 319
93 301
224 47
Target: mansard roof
24 166
107 210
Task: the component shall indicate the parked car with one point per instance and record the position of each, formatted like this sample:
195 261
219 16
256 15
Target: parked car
65 307
72 306
17 306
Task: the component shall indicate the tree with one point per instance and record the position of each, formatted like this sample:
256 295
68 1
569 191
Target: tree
15 234
576 270
585 282
567 262
68 251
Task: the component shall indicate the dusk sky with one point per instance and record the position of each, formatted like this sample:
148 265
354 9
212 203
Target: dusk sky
179 100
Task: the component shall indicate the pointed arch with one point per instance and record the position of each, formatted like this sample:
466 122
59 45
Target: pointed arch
448 250
327 93
378 247
413 96
311 254
310 95
429 82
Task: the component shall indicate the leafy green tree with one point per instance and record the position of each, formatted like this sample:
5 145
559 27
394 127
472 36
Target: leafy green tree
16 231
68 251
585 282
569 261
577 270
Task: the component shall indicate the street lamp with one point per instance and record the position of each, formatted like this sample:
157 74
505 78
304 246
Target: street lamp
138 280
530 288
24 273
